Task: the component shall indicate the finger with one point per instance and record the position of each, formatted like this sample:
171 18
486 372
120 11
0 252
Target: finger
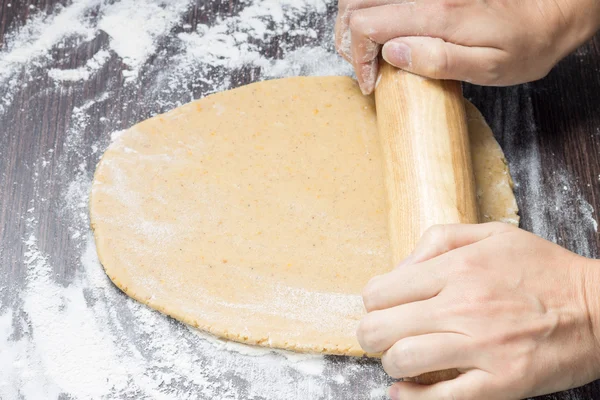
417 355
440 239
364 58
435 58
343 37
468 386
343 40
364 53
379 330
422 18
354 42
410 283
359 4
424 276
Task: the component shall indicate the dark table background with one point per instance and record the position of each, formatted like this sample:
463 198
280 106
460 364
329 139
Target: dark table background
553 123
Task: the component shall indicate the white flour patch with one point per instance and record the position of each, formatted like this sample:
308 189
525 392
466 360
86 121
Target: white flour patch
20 369
33 42
588 213
134 28
63 330
314 61
82 338
378 393
561 214
213 51
82 73
310 364
29 47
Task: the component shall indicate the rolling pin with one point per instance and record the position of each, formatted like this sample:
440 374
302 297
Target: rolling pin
427 161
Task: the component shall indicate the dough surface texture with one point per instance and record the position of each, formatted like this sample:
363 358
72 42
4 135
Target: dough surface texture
258 214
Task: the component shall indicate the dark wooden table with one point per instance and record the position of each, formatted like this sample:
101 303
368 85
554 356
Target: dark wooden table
550 131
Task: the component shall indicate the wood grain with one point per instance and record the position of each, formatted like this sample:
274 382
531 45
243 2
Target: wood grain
427 161
557 117
428 170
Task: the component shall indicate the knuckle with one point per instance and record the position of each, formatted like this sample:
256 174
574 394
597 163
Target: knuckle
493 71
518 366
436 234
465 264
492 75
357 21
403 357
461 268
450 5
370 50
368 332
480 301
438 65
370 293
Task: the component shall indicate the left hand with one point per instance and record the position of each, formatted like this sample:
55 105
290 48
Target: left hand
491 42
512 312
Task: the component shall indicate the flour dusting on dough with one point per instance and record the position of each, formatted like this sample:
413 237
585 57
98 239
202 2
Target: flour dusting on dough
269 232
114 346
118 347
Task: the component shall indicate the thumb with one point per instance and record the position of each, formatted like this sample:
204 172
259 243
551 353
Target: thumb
435 58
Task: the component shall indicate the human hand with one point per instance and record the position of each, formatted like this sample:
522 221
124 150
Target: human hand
492 42
517 315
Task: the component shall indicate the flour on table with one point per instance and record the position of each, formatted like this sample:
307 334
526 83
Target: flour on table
82 73
79 336
135 30
85 339
551 216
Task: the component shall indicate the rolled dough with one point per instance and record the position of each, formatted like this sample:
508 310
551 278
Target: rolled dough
258 214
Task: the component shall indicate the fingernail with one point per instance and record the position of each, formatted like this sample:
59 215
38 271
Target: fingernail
397 54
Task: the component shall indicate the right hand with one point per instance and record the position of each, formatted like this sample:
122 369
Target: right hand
517 315
487 42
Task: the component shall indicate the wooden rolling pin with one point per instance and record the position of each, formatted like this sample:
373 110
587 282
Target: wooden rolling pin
428 170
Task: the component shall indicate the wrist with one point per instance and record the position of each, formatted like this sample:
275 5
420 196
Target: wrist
591 282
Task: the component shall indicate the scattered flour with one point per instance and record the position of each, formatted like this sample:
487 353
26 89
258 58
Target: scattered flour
549 214
28 48
378 393
82 73
83 338
135 29
33 41
88 340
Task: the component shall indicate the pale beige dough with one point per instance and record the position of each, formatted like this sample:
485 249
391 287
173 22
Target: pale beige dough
258 214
